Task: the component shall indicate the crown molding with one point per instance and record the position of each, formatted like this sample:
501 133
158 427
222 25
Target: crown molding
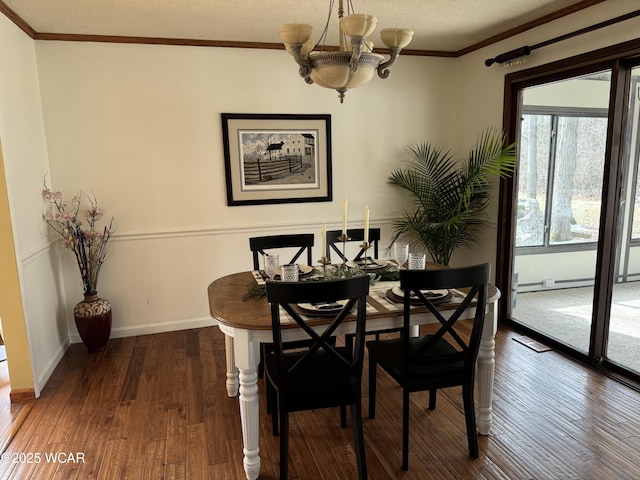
15 18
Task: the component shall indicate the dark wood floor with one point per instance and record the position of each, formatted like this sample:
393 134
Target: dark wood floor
155 407
11 414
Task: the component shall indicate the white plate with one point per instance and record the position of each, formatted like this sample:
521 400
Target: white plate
304 269
371 265
430 294
323 307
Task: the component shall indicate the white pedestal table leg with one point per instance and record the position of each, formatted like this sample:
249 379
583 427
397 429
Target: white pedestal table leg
232 371
486 369
247 356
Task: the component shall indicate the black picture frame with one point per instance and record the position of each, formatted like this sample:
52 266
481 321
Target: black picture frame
277 158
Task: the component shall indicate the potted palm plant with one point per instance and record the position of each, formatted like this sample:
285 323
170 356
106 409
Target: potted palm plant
448 195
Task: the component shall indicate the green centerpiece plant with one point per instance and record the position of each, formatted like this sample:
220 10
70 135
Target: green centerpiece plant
449 196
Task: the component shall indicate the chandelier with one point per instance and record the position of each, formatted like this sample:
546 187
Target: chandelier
354 64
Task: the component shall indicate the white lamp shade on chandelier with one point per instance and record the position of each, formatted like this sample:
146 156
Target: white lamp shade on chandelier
333 69
354 64
358 25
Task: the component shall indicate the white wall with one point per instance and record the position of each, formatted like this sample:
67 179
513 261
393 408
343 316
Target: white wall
140 127
568 269
25 158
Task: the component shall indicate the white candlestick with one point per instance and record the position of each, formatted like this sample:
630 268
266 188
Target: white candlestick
324 240
344 217
366 224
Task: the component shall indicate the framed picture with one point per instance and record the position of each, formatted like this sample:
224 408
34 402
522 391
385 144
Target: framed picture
277 158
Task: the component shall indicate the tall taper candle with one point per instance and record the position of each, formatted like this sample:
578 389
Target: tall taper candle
366 224
344 217
324 240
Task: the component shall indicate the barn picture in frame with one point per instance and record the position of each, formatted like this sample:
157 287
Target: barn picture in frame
277 158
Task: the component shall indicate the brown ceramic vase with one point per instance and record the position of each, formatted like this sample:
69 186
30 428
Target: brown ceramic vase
93 320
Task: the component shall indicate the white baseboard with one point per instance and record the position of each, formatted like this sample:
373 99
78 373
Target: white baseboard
46 372
150 329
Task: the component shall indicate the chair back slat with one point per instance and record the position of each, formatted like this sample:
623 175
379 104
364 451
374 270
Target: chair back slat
475 279
287 295
303 241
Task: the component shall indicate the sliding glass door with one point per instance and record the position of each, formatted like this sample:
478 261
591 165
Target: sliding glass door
562 140
623 345
570 217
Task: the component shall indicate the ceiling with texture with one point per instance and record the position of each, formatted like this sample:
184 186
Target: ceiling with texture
439 25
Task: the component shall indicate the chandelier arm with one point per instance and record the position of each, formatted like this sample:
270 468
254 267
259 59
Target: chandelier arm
302 61
383 68
356 43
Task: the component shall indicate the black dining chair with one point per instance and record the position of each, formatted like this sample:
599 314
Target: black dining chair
324 375
302 241
446 358
355 235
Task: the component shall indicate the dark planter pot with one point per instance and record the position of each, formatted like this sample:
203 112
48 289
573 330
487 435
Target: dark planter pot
93 320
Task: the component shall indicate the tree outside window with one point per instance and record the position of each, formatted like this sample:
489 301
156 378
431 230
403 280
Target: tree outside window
560 177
